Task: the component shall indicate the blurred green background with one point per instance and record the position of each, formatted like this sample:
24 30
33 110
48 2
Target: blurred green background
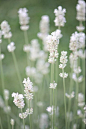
36 8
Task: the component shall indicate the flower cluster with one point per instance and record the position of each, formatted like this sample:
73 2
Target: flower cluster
53 85
70 96
28 88
81 102
43 123
5 27
77 79
80 10
60 19
6 94
52 44
77 41
34 50
63 60
18 100
44 29
11 47
42 66
23 19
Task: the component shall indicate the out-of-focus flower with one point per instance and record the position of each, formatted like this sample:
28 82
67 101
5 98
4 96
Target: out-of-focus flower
5 27
1 102
0 36
23 19
44 29
53 85
80 10
12 122
11 47
1 56
43 123
70 96
6 94
81 102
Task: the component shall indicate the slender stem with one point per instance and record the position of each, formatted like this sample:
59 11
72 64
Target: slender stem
26 42
17 70
26 37
12 126
23 120
64 97
1 123
16 66
2 74
71 84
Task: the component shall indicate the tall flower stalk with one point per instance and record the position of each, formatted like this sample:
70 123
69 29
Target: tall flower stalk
11 47
63 61
24 20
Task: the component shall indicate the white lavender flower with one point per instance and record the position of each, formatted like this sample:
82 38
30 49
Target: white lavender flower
28 88
69 116
26 48
6 94
63 75
18 100
81 102
23 115
81 54
12 122
60 16
80 10
31 71
1 56
70 96
79 79
63 61
42 66
0 36
5 27
7 109
34 49
29 111
43 123
79 113
53 85
44 29
23 19
1 102
75 126
11 47
52 44
74 42
50 110
80 28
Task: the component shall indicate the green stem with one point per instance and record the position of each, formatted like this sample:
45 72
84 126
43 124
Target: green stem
64 98
16 66
26 42
1 123
71 84
17 70
23 120
12 126
26 37
2 74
